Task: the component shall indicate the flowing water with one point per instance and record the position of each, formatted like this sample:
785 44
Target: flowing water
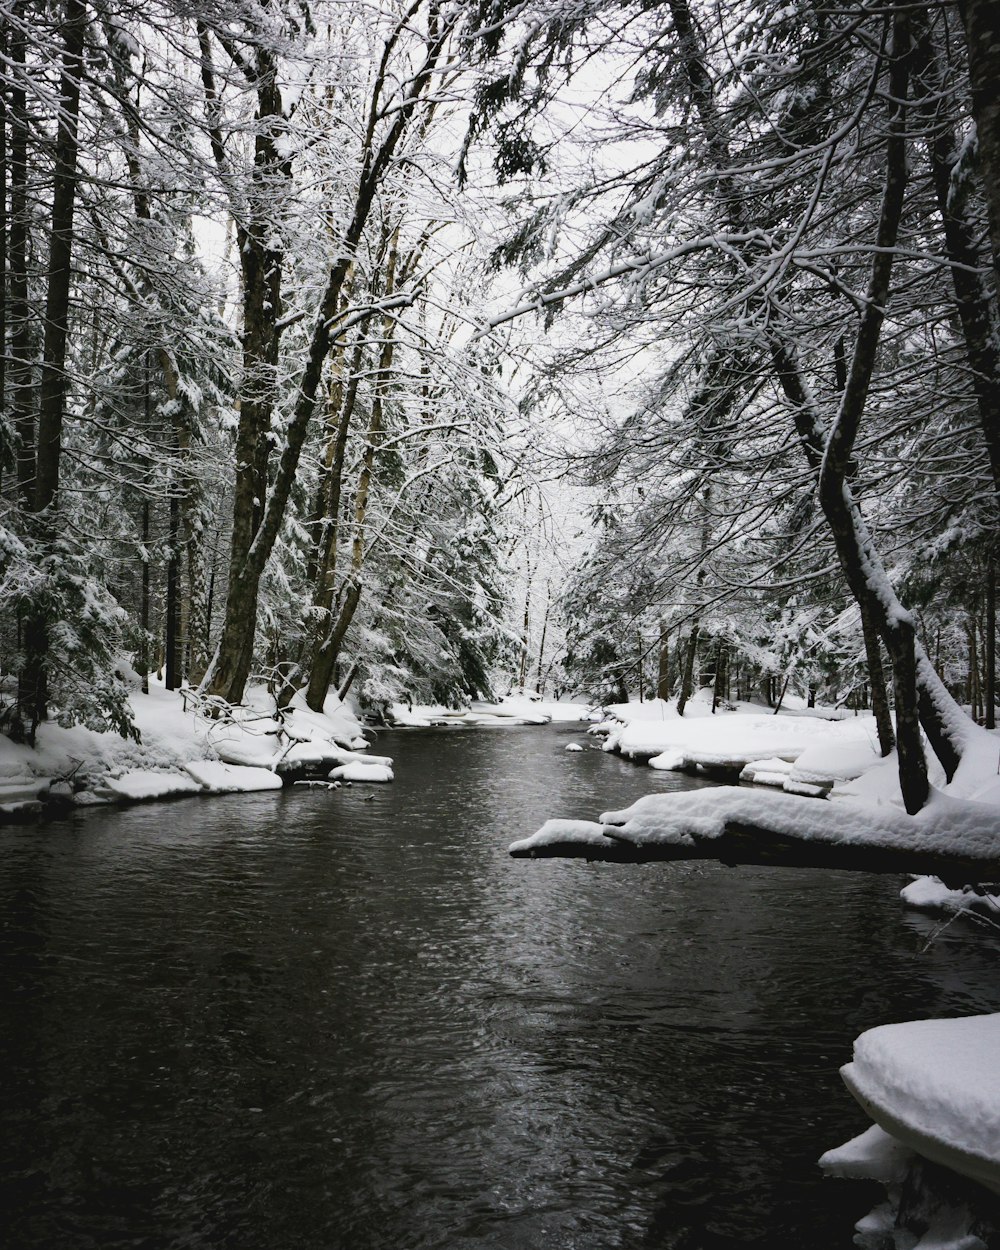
315 1020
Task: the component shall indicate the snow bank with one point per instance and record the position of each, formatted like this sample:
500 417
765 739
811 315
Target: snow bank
219 778
931 894
823 751
141 784
188 746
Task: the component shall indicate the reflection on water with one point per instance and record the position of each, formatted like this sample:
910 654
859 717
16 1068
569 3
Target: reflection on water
348 1019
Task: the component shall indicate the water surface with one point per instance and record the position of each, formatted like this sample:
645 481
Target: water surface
319 1020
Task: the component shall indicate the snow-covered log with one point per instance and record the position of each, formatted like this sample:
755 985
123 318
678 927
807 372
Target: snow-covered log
956 840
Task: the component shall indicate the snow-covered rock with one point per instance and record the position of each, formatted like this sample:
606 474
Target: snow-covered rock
871 1156
219 778
361 772
140 784
573 746
933 1084
769 771
931 894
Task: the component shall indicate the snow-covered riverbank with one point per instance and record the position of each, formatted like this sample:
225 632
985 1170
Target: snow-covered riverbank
186 746
190 746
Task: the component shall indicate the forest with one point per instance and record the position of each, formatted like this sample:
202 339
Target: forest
315 312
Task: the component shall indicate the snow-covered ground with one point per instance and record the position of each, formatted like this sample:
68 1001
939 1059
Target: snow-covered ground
799 750
513 710
183 749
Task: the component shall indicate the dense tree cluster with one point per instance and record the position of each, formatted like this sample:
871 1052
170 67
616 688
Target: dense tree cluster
244 431
785 235
247 429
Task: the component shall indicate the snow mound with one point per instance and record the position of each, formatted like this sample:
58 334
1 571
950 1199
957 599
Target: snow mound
361 772
873 1155
666 761
769 771
517 709
834 761
933 1085
931 894
219 778
141 784
573 746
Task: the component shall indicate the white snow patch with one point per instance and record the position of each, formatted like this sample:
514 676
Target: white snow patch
219 778
140 784
361 772
937 1080
874 1155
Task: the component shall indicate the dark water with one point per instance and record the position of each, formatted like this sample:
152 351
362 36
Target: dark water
314 1020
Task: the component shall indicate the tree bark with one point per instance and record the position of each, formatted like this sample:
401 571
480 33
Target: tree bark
975 299
876 681
982 28
663 665
19 374
688 676
990 646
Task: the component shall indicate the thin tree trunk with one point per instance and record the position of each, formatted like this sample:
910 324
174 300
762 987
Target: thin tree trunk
541 645
170 646
144 601
19 377
663 665
990 647
876 681
973 681
688 676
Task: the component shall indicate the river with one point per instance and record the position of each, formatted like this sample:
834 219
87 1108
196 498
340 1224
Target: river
318 1020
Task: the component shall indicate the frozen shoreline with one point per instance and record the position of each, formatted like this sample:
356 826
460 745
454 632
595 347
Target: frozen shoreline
183 751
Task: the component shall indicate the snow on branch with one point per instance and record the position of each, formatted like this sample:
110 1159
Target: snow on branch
956 840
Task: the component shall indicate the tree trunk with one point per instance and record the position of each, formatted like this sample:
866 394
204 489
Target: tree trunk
990 647
876 680
19 379
170 643
973 681
982 28
975 300
663 665
688 675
